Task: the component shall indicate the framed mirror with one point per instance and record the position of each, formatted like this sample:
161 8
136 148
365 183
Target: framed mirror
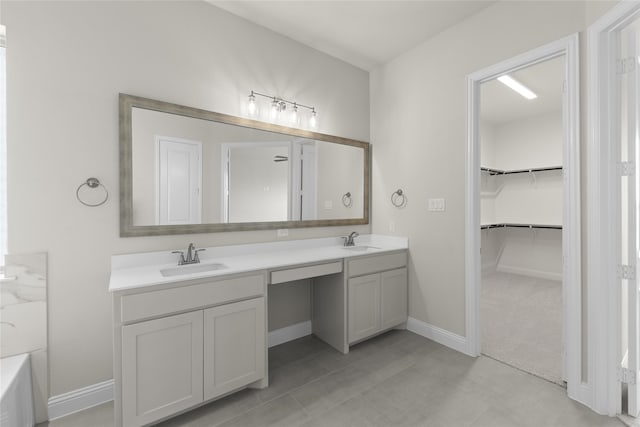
186 170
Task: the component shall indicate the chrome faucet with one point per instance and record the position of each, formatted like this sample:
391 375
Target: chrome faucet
348 240
192 255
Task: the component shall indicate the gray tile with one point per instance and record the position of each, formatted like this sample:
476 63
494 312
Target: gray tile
295 350
218 411
331 390
283 412
397 379
291 376
354 412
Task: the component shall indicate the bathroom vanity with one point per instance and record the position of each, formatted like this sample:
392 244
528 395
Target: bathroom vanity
187 335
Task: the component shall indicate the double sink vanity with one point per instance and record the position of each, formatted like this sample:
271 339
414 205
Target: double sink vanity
189 334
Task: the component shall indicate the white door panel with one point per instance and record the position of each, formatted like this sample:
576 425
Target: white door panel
179 176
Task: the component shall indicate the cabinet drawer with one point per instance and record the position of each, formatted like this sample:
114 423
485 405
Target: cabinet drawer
150 304
290 274
358 267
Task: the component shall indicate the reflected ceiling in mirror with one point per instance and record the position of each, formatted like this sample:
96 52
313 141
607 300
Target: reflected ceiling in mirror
186 170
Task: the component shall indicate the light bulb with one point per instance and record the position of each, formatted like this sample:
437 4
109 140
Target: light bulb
313 120
252 104
274 109
294 114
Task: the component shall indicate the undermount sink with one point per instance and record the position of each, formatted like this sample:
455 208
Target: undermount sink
359 248
190 269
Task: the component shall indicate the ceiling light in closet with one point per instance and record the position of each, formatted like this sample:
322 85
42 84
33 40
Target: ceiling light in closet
517 86
278 106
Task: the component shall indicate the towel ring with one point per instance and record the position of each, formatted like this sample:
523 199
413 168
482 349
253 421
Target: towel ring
346 200
398 198
92 183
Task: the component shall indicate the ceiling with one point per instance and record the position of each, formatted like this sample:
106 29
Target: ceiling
500 104
370 33
364 33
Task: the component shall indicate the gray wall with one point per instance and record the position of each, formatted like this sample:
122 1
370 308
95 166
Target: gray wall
419 142
66 64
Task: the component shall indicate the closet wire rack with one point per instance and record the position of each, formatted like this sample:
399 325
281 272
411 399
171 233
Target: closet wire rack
513 225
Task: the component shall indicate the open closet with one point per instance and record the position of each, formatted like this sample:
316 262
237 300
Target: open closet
521 202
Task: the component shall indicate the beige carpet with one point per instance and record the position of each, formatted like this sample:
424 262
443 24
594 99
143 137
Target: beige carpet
521 321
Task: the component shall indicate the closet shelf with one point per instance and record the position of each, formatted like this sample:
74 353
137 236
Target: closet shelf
492 171
518 225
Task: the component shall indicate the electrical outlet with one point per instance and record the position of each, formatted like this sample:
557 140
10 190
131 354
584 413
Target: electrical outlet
328 205
392 226
283 232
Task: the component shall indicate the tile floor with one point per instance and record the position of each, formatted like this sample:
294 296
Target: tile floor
396 379
521 322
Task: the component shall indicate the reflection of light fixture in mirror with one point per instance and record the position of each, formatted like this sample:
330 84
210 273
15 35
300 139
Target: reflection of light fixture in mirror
278 106
517 86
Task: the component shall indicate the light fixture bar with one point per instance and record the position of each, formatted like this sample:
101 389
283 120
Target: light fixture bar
517 86
280 100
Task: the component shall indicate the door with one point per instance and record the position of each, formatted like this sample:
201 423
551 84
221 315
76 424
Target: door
161 367
304 180
234 346
256 174
178 181
364 306
628 98
393 298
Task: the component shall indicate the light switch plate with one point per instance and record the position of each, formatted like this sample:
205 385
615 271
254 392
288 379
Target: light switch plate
436 205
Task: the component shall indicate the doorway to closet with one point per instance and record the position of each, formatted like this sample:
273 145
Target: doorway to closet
525 227
521 142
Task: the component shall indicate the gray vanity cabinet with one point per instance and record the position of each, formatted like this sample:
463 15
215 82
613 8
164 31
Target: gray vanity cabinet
161 367
364 307
187 343
234 346
377 295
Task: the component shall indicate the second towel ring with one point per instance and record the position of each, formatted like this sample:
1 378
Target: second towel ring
92 183
398 198
347 201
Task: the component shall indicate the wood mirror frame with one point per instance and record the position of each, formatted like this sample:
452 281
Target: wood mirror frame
127 227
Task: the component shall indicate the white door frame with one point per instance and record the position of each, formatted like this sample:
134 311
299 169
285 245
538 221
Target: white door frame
568 47
603 305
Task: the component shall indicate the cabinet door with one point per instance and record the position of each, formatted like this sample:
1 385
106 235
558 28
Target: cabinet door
364 306
161 367
234 346
393 299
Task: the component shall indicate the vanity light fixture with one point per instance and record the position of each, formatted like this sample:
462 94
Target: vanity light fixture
517 86
252 105
279 106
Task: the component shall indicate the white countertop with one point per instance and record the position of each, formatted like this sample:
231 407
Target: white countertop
140 270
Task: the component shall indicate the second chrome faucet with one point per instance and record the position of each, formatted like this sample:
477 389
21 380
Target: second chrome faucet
192 255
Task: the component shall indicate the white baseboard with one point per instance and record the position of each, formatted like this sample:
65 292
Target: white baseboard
80 399
289 333
530 272
438 335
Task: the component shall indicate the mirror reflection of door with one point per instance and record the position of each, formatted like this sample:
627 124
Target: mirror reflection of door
257 182
178 181
274 181
305 182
